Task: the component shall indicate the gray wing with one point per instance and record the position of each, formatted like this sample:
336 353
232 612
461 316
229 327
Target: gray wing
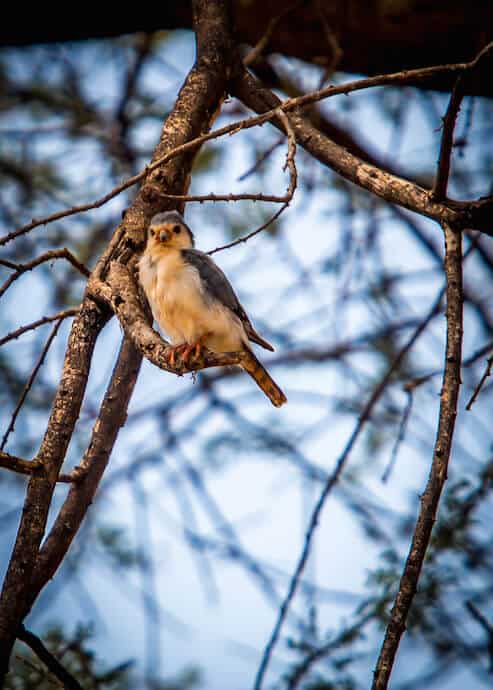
218 287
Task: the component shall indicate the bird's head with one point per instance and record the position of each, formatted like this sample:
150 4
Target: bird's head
169 230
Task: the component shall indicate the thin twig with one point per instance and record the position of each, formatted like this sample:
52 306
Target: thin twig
345 637
439 190
477 390
400 436
261 44
51 255
438 472
29 383
330 483
332 42
36 324
487 627
29 467
260 160
293 181
402 77
273 198
247 237
49 660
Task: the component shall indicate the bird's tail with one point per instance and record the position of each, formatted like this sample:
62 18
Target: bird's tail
262 378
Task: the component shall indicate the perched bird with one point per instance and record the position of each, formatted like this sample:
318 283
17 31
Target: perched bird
193 302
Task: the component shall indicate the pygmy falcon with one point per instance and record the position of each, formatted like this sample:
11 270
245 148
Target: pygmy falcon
193 302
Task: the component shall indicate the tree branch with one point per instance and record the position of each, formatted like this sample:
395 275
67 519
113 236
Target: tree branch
441 454
329 485
459 91
16 592
51 255
120 291
476 214
48 659
111 418
29 383
36 324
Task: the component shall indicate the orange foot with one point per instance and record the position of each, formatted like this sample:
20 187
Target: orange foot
185 350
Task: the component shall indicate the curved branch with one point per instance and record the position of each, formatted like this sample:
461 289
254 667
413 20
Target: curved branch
36 324
438 472
51 255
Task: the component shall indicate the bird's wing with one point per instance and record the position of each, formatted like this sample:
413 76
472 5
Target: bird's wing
218 286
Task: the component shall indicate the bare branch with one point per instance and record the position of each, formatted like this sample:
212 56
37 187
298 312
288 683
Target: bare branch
15 464
14 600
396 190
477 390
330 483
48 659
36 324
248 236
438 473
29 383
29 467
51 255
111 418
293 181
402 430
459 91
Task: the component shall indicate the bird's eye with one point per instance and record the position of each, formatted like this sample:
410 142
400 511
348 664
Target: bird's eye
176 229
152 233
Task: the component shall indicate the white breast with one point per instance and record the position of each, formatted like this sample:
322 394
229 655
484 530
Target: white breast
180 307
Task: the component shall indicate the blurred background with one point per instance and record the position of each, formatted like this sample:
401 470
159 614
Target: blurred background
177 575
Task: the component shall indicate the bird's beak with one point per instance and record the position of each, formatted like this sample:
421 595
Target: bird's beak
163 235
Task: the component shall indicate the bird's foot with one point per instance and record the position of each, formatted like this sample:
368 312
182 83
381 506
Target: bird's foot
186 352
193 350
173 352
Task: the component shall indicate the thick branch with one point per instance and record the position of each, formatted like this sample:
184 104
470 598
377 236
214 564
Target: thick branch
66 406
111 418
438 473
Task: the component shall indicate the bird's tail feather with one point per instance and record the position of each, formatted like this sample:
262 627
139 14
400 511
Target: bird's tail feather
262 378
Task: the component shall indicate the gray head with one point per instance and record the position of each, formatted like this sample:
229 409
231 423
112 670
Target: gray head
170 229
